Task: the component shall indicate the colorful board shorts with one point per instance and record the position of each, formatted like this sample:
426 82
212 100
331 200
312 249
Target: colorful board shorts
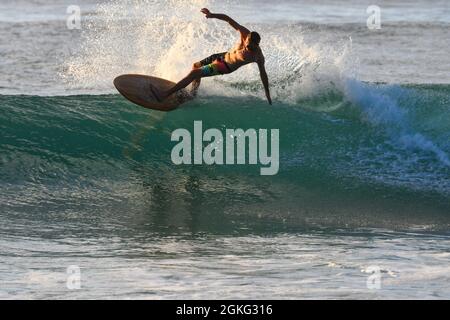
214 65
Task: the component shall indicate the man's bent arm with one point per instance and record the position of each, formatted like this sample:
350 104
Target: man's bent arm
265 80
243 30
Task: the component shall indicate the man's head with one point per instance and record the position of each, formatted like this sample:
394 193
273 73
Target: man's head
252 41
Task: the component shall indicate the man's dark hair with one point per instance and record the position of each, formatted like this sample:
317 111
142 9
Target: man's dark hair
255 38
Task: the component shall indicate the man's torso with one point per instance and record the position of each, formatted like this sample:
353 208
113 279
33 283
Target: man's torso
240 56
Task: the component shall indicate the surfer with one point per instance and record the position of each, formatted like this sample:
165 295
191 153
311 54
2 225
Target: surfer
245 52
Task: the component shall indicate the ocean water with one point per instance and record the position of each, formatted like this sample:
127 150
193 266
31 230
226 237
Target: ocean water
360 208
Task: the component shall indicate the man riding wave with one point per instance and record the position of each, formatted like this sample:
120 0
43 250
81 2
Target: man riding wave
245 52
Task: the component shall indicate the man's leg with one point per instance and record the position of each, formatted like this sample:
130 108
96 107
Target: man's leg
195 74
204 62
196 82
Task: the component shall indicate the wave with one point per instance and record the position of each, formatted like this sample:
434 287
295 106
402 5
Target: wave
385 148
351 153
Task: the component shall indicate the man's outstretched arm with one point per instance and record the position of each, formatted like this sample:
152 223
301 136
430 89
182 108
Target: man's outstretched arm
242 30
264 79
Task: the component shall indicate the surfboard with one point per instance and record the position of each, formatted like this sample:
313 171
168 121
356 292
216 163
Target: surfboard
138 89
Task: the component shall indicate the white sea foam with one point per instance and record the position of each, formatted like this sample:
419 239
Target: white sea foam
383 110
165 38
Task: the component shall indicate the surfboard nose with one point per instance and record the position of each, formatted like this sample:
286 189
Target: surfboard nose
140 89
120 82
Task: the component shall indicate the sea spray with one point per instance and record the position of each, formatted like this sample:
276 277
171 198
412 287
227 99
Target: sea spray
165 38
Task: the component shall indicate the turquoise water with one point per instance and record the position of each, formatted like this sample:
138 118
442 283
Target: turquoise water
88 181
352 161
86 177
